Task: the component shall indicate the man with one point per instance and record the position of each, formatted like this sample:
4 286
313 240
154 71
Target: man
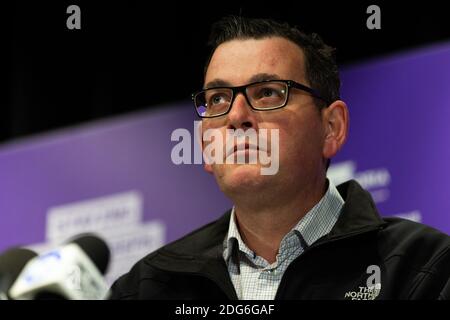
293 234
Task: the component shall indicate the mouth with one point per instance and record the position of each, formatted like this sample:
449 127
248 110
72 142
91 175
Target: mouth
242 147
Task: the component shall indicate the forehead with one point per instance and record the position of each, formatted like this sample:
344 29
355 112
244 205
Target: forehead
236 61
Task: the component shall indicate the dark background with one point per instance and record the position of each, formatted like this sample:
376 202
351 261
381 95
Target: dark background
133 55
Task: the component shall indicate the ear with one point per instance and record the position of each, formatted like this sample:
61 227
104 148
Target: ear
336 123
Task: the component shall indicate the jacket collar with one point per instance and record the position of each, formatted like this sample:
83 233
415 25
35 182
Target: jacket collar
359 213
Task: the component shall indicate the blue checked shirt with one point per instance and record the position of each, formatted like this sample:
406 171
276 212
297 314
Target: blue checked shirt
252 276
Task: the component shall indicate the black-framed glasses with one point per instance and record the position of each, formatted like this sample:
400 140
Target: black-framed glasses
262 96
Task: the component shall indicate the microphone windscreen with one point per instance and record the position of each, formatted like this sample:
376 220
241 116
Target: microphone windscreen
13 260
96 249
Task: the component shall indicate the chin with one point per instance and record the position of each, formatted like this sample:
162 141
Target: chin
241 177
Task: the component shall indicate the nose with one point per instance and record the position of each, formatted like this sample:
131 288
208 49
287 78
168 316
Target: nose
241 115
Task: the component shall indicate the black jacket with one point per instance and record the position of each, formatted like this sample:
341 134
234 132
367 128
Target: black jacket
414 261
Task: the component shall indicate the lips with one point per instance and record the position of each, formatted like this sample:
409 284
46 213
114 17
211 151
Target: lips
242 147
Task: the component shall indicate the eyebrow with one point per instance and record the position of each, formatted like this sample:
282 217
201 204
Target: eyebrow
255 78
217 83
264 77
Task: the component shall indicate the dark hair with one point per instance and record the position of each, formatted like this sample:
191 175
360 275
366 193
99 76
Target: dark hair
320 64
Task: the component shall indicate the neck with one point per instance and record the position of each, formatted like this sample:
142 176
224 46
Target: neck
263 224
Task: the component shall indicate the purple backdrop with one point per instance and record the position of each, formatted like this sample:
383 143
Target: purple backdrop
399 113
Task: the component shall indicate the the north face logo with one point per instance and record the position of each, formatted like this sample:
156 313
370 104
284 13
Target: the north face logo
372 288
364 293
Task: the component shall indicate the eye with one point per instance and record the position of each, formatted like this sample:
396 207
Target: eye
268 92
217 99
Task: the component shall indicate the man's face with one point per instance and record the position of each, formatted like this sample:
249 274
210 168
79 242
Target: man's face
301 132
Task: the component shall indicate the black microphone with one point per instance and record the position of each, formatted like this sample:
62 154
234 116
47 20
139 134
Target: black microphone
12 262
72 271
95 248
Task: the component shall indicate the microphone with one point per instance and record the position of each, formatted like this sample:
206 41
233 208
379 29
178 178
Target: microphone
70 272
12 262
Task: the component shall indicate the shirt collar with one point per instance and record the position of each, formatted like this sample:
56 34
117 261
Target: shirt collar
233 239
315 224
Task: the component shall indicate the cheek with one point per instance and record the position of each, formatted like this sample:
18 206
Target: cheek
301 142
214 129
